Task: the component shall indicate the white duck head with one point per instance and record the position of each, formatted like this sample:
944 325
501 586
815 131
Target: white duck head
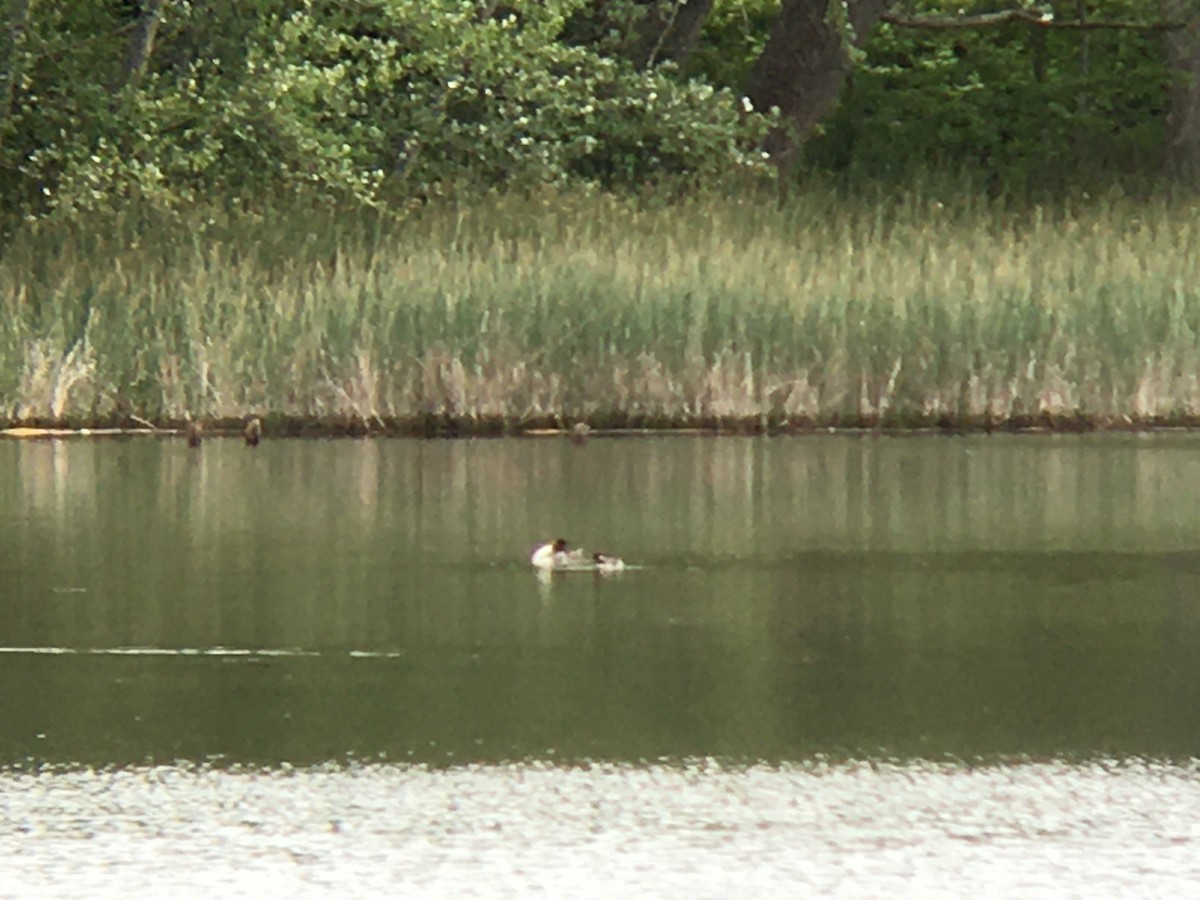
555 555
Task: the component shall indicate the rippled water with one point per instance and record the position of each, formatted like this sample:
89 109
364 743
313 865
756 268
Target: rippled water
918 667
698 830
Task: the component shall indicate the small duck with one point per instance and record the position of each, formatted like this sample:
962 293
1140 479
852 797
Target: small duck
556 556
194 432
252 432
605 563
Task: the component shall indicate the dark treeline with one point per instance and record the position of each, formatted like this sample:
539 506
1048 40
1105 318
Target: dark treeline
387 101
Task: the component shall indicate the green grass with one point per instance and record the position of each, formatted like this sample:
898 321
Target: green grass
519 311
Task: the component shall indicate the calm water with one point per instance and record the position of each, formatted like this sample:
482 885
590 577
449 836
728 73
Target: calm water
848 666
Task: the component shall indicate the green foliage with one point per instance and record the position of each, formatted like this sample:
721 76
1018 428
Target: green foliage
383 101
735 33
345 100
1023 107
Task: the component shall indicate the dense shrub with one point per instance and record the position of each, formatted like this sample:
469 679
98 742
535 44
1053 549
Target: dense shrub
345 100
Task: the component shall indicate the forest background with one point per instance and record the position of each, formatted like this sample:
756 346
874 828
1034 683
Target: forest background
448 216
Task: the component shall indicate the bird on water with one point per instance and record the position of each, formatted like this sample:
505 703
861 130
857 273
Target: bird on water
556 555
605 563
252 432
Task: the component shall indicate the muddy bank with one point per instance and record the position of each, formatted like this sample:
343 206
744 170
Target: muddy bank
579 430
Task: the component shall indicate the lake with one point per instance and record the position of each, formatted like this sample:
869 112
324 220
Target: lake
843 665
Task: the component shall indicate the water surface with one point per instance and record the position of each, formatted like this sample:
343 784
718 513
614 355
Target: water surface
697 830
1009 623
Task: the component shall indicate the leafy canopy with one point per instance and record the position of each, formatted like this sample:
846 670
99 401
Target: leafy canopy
345 99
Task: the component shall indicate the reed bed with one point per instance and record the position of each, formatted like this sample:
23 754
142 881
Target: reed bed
516 312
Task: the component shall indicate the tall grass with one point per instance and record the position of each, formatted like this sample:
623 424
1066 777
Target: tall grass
516 311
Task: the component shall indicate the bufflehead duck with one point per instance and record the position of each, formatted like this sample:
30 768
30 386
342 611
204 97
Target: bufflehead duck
608 563
556 556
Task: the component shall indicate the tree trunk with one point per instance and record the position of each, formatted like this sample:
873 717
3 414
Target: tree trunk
803 67
141 40
1183 121
673 31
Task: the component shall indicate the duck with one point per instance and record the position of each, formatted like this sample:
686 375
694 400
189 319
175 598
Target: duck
606 563
556 556
252 432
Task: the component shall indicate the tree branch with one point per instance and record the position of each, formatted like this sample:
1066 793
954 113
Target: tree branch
141 41
1029 17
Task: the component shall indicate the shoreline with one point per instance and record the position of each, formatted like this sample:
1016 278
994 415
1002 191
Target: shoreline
278 428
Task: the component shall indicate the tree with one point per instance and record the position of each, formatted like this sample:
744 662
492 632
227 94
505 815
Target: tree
374 100
644 32
673 30
141 40
366 100
14 52
805 63
1183 49
815 46
1017 99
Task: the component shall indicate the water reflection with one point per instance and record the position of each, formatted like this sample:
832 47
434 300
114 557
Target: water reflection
312 600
